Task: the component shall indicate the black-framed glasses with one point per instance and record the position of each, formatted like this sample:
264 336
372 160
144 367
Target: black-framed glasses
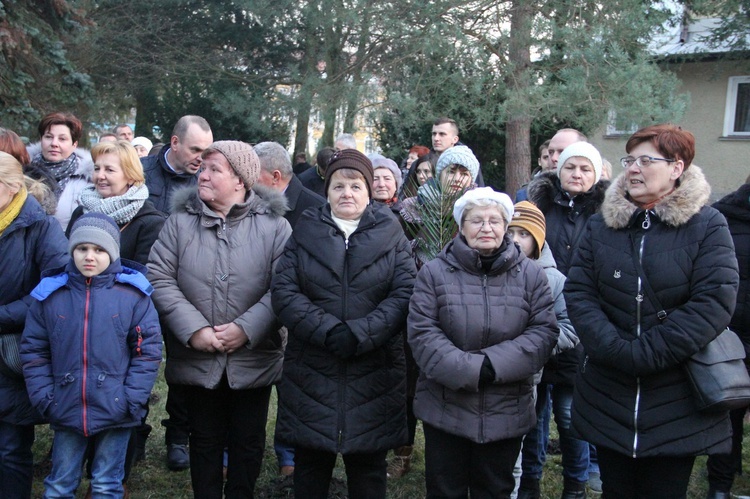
642 161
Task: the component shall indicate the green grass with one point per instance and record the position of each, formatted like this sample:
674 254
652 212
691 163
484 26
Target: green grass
150 479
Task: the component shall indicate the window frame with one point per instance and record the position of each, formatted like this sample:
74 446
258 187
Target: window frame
730 110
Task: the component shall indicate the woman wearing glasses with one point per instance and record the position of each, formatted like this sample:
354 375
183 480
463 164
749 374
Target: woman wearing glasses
655 247
481 324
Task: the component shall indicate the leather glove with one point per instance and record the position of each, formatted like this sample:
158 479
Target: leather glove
341 341
487 373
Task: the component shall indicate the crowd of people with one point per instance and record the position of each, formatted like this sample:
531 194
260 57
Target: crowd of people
372 295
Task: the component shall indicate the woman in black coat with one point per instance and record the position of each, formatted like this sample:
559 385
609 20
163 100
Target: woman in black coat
342 290
632 398
736 208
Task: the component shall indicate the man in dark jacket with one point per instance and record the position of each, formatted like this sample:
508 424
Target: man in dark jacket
276 173
314 178
177 165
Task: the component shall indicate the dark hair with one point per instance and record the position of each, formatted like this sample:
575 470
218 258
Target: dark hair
11 143
181 127
300 157
670 140
443 120
410 184
107 134
544 147
323 157
74 124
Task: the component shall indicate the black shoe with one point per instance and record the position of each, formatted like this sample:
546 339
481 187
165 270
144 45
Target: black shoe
573 490
177 457
529 489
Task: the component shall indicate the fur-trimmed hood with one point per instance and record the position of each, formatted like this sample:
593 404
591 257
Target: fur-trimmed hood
545 190
690 195
261 200
85 163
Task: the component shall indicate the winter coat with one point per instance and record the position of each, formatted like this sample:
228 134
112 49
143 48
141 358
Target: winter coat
91 348
208 271
163 182
138 235
299 198
67 202
459 314
568 338
311 180
32 243
736 208
358 404
565 226
632 395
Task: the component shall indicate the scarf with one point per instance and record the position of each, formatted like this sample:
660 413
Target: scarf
61 170
11 212
121 208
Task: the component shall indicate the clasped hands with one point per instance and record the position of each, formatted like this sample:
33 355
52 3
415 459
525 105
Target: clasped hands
341 341
224 338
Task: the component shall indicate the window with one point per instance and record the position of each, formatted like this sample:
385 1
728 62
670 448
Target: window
617 127
737 113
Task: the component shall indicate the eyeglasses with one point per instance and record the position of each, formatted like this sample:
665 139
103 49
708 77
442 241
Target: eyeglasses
642 161
478 223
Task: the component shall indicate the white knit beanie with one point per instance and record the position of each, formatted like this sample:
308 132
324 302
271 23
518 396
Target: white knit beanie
480 193
583 150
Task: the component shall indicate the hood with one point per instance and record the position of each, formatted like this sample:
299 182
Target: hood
545 190
123 271
677 208
262 200
547 259
457 253
85 163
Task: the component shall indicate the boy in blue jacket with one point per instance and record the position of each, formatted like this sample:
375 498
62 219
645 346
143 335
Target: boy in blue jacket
90 352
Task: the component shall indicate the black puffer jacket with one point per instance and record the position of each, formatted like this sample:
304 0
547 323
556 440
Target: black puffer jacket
162 181
631 394
326 403
736 208
565 226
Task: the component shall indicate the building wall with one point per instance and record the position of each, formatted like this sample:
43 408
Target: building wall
726 162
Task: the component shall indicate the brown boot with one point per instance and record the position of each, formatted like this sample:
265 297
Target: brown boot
401 463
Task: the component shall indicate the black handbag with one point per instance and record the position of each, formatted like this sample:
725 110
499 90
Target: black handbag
717 373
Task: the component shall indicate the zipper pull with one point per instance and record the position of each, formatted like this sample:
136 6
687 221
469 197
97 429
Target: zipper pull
646 222
346 243
140 340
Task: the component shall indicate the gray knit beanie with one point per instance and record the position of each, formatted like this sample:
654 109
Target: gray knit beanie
458 155
99 229
242 158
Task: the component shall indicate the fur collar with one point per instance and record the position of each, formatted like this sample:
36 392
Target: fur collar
675 209
545 189
85 163
263 201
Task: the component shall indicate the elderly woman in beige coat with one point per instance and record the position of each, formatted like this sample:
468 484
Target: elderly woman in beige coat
211 270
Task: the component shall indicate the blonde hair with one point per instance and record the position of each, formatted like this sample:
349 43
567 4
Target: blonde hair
11 174
129 160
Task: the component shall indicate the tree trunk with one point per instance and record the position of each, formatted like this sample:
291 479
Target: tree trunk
518 127
304 103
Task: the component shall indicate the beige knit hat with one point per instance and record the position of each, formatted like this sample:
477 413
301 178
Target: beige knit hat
242 158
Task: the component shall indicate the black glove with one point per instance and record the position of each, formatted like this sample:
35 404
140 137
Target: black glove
341 341
487 373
